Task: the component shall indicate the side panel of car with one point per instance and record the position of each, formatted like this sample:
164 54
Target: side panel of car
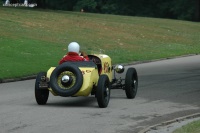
49 72
90 79
106 65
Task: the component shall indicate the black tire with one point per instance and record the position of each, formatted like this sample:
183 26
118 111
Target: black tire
70 89
41 95
103 91
131 83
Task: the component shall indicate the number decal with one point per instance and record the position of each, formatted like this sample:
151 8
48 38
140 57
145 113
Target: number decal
86 71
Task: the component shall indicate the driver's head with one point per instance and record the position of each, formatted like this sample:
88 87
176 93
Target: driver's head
74 47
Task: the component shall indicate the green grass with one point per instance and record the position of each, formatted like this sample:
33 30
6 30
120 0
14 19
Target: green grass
33 40
193 127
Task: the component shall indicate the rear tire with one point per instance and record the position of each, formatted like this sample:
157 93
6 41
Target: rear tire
131 83
103 91
41 95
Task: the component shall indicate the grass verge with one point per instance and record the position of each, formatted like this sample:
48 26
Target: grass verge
33 40
193 127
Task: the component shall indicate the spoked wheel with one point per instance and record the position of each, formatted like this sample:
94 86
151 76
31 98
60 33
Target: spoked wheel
41 94
131 83
103 91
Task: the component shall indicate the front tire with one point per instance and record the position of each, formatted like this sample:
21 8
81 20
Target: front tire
41 95
131 83
103 91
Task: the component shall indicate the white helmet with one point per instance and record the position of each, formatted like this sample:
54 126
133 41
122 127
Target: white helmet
73 47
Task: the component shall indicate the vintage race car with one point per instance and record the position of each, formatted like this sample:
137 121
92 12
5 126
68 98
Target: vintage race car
95 77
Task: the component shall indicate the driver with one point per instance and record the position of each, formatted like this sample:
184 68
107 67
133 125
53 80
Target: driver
73 54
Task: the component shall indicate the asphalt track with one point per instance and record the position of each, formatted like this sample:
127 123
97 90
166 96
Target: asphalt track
167 89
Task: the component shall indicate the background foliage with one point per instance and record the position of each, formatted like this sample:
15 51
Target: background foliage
175 9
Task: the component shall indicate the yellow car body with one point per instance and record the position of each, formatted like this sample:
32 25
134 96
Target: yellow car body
90 75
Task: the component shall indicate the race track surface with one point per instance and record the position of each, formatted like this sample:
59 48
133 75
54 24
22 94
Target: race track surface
167 89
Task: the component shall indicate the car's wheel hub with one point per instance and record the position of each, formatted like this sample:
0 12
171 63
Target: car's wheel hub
134 85
107 92
66 80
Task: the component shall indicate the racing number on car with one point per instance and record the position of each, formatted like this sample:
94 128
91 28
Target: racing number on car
106 67
87 71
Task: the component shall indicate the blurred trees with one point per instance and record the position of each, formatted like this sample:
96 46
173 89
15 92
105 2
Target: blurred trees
179 9
176 9
197 10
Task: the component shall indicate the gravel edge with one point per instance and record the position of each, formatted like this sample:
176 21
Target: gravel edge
17 79
163 124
